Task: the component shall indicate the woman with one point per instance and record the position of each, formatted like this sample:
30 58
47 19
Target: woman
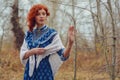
42 52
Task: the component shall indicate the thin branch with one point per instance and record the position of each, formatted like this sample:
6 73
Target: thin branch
74 6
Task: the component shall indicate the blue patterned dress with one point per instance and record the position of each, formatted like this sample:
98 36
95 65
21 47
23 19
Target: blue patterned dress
41 38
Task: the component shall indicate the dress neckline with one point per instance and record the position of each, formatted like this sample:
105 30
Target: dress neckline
43 28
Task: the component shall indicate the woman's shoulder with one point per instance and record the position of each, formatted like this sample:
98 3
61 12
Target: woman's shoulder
51 31
27 33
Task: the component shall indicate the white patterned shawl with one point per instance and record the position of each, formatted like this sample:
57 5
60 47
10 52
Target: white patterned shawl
51 50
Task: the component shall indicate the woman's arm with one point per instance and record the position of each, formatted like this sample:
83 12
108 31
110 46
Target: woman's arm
27 54
71 35
33 51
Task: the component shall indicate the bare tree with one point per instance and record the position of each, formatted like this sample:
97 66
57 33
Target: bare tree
74 24
114 41
95 28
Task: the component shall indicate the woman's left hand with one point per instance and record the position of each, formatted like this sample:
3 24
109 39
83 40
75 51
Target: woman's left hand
71 35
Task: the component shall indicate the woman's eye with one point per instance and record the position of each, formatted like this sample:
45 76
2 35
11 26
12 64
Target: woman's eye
40 14
43 13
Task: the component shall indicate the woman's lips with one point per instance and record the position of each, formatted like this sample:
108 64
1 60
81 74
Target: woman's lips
41 20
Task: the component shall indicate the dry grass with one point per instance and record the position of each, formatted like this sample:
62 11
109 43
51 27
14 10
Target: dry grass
89 67
10 66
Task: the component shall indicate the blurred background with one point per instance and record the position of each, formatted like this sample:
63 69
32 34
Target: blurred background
96 52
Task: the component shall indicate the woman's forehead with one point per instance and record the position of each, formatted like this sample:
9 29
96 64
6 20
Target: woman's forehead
41 10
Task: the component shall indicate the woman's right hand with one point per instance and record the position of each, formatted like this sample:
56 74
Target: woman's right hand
38 51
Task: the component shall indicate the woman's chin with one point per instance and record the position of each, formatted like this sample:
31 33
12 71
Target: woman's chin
41 24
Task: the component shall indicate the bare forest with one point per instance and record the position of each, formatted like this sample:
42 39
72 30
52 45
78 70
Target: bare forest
96 51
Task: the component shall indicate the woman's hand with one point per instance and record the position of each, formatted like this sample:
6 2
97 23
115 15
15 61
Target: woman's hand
71 38
71 35
38 51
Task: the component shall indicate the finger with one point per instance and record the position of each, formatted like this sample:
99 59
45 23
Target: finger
43 50
70 29
71 26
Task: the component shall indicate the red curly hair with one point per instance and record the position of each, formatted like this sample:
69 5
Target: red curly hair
33 12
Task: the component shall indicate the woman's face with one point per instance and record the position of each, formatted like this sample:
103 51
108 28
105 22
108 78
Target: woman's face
41 18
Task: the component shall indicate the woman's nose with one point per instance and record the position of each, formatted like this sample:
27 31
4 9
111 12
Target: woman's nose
41 15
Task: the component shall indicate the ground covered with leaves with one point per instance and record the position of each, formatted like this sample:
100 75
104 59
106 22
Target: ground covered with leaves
89 67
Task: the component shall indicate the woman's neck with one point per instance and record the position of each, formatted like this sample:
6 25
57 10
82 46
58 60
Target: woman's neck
40 26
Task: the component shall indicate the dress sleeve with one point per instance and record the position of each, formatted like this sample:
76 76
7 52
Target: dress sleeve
57 58
61 51
23 50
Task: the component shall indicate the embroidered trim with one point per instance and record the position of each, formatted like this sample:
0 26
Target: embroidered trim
43 41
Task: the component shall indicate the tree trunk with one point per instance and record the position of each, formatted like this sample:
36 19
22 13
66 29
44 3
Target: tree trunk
17 30
95 29
114 41
75 56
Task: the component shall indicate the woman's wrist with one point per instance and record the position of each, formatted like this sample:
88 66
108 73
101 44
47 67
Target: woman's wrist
33 51
28 53
70 44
